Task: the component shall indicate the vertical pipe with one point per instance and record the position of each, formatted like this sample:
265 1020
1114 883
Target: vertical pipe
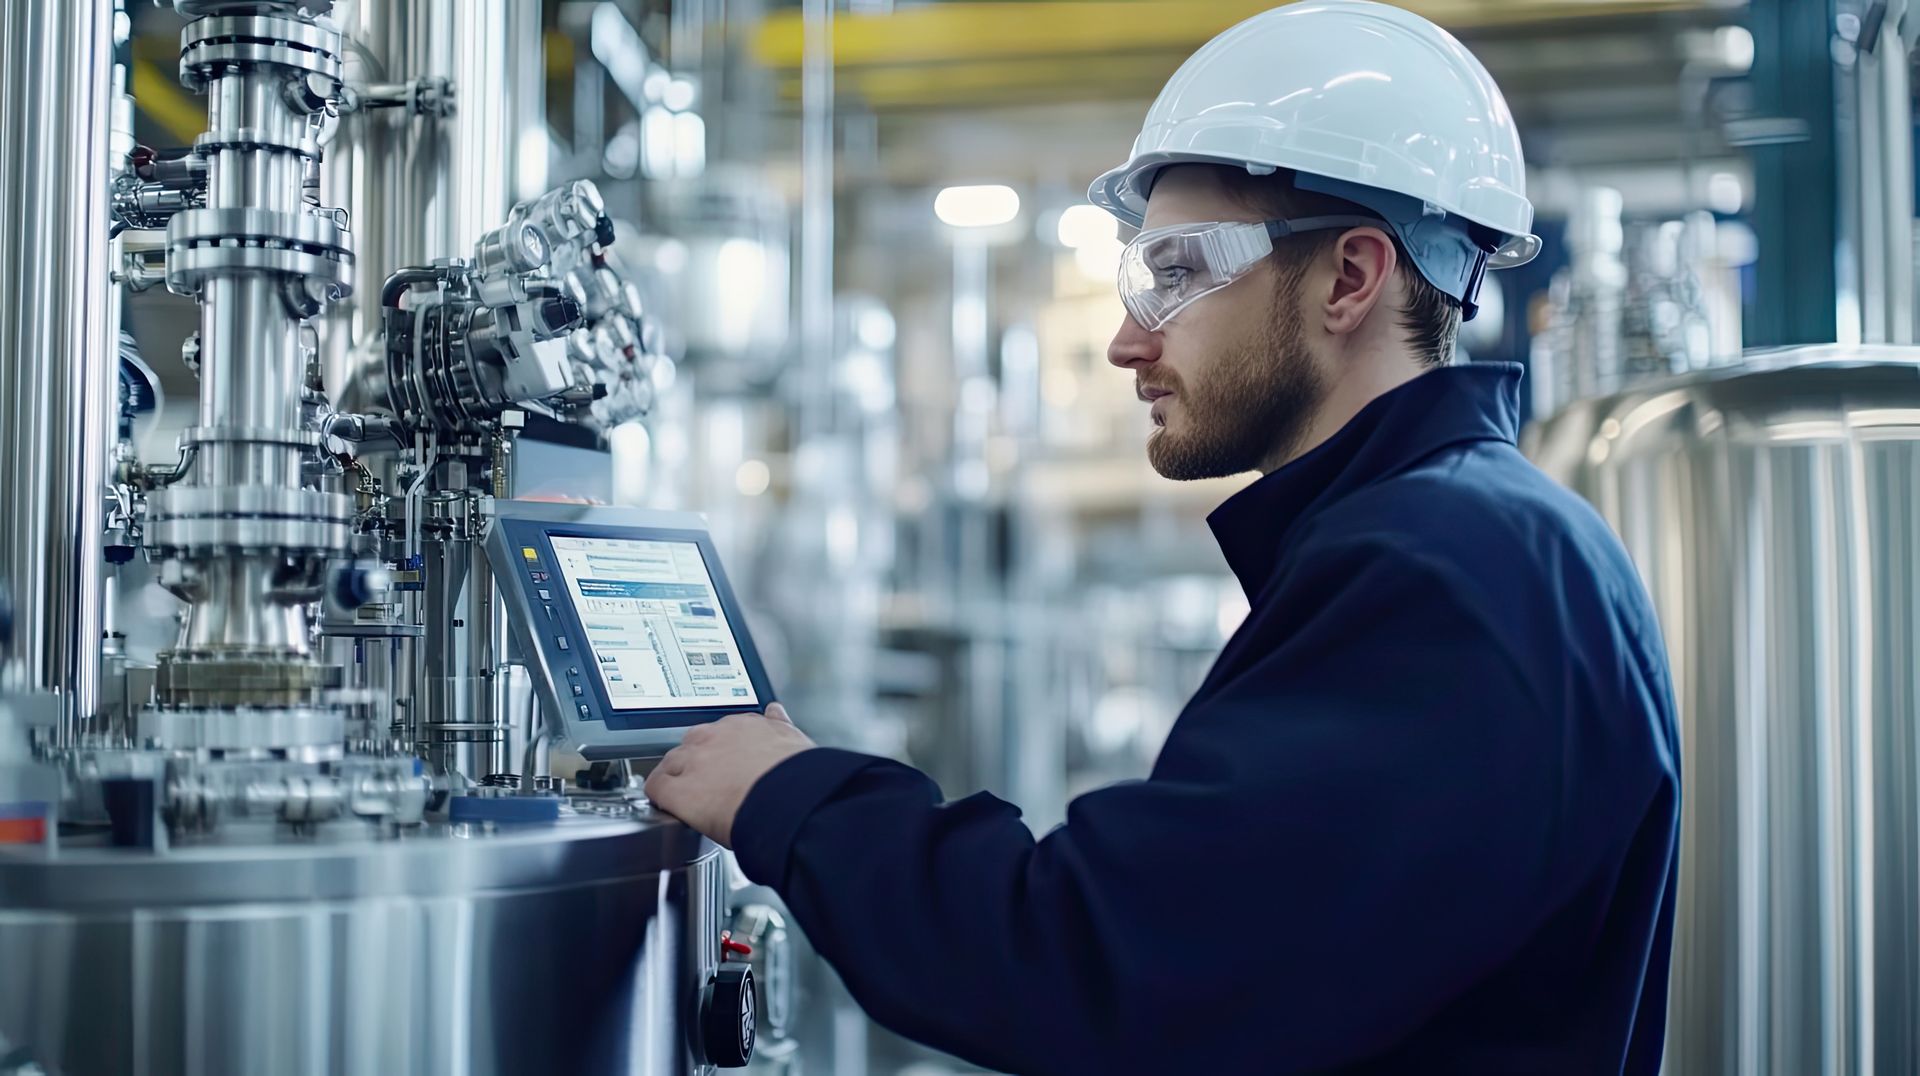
1894 88
816 215
56 365
1864 172
419 188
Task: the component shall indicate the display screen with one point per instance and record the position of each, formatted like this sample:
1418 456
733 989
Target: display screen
653 623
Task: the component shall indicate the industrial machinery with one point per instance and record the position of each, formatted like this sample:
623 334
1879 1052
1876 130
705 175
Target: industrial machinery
327 840
1769 506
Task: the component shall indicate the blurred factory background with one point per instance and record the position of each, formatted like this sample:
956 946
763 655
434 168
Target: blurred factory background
883 311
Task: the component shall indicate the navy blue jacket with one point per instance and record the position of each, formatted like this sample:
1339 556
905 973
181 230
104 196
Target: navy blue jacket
1422 817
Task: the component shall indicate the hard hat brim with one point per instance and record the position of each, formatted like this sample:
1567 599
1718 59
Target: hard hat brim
1124 191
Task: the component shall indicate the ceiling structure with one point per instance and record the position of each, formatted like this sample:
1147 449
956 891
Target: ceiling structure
976 86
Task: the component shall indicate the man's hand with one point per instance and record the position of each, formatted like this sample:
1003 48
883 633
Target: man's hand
704 781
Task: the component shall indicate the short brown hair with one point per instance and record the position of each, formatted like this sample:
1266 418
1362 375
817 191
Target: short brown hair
1431 319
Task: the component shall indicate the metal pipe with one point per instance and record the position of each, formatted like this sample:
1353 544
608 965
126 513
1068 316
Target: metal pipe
816 215
421 187
1887 75
242 540
530 761
56 354
398 284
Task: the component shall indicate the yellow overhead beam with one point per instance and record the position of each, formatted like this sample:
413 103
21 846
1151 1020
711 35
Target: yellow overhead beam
951 32
159 95
972 83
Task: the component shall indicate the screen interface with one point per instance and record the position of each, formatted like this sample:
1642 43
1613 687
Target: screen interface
654 625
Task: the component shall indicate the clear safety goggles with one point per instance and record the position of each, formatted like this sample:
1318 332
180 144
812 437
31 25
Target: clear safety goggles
1166 270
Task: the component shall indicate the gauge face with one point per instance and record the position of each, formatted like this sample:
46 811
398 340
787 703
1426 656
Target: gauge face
533 245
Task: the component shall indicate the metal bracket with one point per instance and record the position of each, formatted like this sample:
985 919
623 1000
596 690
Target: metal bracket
429 96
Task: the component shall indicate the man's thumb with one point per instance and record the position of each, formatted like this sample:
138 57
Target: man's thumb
779 713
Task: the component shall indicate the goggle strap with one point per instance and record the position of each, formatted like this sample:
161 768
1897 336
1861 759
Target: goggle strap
1280 229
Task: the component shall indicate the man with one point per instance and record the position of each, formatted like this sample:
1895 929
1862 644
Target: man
1422 815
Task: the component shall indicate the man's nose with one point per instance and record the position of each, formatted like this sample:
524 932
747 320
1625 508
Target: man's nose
1133 346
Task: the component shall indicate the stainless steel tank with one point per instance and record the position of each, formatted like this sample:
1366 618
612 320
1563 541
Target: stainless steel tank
1773 509
579 947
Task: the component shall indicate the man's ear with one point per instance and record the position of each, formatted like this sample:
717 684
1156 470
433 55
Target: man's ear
1363 262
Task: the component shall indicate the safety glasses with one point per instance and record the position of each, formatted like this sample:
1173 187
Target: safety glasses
1166 270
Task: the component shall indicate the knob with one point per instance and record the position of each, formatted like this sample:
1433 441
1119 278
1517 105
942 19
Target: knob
727 1017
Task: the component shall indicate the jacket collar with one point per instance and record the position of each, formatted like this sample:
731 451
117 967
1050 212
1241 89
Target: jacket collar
1448 406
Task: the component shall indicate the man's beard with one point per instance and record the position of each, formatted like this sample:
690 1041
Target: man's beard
1252 406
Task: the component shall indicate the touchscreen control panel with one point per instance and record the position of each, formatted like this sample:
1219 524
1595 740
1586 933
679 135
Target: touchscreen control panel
627 623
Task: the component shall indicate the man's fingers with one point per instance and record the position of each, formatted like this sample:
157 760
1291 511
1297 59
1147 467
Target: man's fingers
779 713
659 785
674 764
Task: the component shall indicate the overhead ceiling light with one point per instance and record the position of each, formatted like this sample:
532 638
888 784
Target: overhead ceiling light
1083 226
977 207
752 478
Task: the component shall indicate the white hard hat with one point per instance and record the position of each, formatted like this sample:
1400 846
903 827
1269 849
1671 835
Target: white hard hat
1363 101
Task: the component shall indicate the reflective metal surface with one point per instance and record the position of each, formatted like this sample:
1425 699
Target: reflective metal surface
462 703
420 187
56 357
241 544
577 948
1773 511
424 181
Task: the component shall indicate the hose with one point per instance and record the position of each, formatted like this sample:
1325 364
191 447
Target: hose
402 279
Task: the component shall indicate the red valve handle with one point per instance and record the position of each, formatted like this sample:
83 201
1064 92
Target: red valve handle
729 947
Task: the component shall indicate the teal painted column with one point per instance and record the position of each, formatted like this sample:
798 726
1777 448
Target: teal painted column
1796 212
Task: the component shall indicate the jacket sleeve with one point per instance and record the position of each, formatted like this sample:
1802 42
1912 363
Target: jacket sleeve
1333 845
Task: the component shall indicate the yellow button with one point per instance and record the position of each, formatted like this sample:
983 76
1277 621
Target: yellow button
528 552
